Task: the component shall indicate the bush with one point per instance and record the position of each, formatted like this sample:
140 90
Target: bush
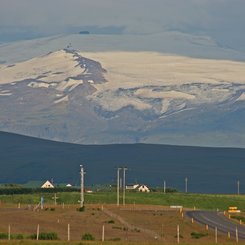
17 236
115 239
4 236
81 209
198 235
111 221
88 237
238 217
180 236
45 236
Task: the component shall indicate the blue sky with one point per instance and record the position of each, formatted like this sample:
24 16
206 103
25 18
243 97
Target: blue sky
223 20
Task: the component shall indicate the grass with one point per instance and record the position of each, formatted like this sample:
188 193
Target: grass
200 201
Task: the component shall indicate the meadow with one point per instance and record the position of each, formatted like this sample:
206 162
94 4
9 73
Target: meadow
187 200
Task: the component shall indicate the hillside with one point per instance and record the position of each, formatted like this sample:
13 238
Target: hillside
211 170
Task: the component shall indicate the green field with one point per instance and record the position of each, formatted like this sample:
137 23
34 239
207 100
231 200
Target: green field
199 201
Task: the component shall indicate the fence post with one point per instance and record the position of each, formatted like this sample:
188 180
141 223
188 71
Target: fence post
103 233
178 234
68 232
9 232
37 232
236 235
216 235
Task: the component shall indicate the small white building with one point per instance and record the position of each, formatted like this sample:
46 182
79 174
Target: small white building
132 187
137 187
143 188
47 184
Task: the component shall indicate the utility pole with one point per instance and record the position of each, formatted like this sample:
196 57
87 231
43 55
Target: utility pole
164 186
124 184
118 186
238 187
82 186
186 183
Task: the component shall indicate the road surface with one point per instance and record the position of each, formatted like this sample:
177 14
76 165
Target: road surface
216 219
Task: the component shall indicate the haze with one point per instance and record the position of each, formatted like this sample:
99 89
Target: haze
222 20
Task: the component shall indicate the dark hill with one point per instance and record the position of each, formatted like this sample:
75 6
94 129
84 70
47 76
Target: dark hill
209 170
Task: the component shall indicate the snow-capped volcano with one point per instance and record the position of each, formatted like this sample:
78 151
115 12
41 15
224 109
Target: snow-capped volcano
118 97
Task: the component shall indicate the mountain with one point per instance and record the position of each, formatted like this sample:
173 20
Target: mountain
124 97
210 170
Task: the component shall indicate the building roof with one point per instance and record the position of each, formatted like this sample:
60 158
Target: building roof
47 184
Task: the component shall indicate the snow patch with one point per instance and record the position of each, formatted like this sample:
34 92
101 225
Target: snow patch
38 85
69 85
241 97
63 99
149 93
55 67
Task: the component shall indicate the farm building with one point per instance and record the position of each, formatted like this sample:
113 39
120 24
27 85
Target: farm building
143 188
137 187
47 184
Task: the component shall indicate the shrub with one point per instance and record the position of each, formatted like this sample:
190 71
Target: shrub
180 236
81 209
3 235
136 230
238 217
45 236
198 235
116 239
88 237
111 221
17 236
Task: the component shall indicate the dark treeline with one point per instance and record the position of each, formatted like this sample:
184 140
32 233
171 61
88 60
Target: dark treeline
12 191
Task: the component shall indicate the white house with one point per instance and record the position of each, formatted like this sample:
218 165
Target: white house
132 187
137 187
143 188
47 184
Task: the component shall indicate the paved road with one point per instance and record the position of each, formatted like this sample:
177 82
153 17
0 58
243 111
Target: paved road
215 219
